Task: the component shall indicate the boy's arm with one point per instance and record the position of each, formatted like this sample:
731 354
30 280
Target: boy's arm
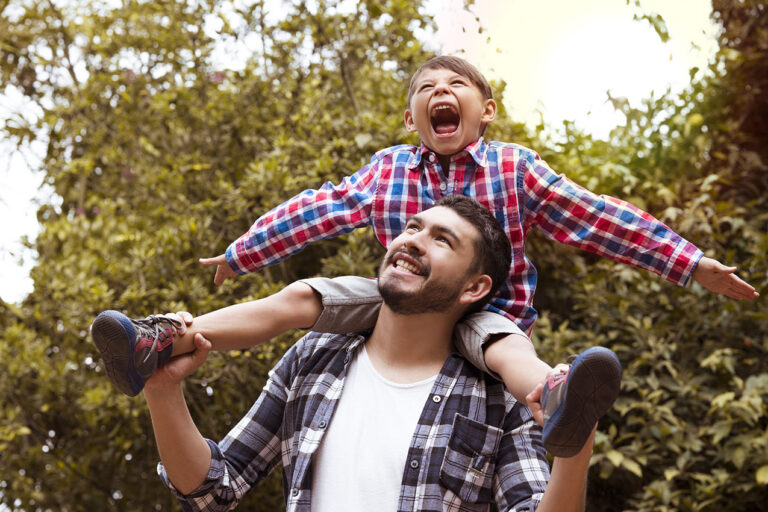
312 215
568 213
716 277
241 326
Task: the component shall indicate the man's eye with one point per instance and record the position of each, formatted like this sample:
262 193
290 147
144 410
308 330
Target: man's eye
411 229
443 240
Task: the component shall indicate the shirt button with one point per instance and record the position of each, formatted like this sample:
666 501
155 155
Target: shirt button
322 424
346 358
443 186
294 492
436 398
431 158
414 464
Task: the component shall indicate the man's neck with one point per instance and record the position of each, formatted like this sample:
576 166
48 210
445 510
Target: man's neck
410 348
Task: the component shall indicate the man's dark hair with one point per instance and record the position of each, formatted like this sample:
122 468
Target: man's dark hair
493 252
457 65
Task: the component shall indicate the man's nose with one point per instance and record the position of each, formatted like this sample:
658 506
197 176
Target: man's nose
415 243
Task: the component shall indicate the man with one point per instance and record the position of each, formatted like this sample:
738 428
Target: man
395 420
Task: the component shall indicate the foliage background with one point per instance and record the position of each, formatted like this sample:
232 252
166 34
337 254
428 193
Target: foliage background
160 158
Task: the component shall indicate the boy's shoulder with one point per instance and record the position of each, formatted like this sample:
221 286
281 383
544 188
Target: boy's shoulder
514 150
407 149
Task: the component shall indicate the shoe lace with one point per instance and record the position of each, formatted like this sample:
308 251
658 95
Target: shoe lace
154 326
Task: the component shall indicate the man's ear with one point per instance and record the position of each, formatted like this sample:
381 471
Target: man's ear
489 111
476 288
408 119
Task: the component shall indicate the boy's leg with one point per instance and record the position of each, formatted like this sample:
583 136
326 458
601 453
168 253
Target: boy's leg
133 349
574 396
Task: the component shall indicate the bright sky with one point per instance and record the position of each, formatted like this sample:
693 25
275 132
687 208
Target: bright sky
558 57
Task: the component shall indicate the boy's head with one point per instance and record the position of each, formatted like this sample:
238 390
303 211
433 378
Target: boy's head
449 104
457 65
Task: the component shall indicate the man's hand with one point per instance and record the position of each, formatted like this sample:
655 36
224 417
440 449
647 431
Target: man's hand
716 277
533 399
223 270
179 367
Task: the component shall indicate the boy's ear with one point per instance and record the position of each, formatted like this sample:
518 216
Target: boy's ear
476 288
489 111
408 119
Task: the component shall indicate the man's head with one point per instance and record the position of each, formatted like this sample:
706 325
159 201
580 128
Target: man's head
453 255
449 104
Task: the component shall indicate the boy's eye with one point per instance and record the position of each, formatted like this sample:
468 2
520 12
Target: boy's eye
424 87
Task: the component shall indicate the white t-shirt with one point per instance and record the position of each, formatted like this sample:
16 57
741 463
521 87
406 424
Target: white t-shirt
361 460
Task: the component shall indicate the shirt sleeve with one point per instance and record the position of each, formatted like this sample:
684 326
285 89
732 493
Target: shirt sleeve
329 211
568 213
249 452
522 470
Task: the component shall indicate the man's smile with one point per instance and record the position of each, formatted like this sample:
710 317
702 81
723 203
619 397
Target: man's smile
404 262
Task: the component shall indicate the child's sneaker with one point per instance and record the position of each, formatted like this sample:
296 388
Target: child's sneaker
133 349
574 400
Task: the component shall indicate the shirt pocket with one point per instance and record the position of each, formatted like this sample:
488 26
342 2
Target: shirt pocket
470 460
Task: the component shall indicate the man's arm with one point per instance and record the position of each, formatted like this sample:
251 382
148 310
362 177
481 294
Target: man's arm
202 474
183 450
312 215
567 487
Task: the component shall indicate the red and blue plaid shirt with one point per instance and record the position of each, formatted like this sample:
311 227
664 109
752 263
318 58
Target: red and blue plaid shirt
510 180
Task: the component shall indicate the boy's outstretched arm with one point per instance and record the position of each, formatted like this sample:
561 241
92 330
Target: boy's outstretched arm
716 277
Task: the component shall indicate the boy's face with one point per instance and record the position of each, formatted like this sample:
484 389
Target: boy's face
447 110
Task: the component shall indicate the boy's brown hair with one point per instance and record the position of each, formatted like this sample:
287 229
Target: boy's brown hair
457 65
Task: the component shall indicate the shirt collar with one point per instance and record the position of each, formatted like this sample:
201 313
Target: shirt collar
478 150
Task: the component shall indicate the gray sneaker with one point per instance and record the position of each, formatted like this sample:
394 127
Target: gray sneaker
574 400
133 349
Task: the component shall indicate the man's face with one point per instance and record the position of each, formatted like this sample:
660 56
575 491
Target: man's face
426 268
447 110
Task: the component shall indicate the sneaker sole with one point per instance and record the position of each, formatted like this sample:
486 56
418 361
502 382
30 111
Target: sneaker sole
117 349
592 387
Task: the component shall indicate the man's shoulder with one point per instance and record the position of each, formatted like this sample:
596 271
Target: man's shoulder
314 342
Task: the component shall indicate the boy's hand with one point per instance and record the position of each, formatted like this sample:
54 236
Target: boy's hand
223 270
716 277
179 367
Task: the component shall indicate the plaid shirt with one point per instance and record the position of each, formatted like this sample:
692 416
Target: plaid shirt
510 180
473 444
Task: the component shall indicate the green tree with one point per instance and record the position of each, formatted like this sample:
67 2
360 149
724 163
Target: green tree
159 156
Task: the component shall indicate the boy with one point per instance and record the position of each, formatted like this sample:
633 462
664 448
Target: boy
449 105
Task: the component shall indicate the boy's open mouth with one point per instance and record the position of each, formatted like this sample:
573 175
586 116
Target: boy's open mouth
444 118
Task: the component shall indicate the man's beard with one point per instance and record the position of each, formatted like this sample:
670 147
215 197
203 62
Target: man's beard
432 297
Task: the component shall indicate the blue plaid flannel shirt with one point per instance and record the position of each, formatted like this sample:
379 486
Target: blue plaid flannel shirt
474 443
